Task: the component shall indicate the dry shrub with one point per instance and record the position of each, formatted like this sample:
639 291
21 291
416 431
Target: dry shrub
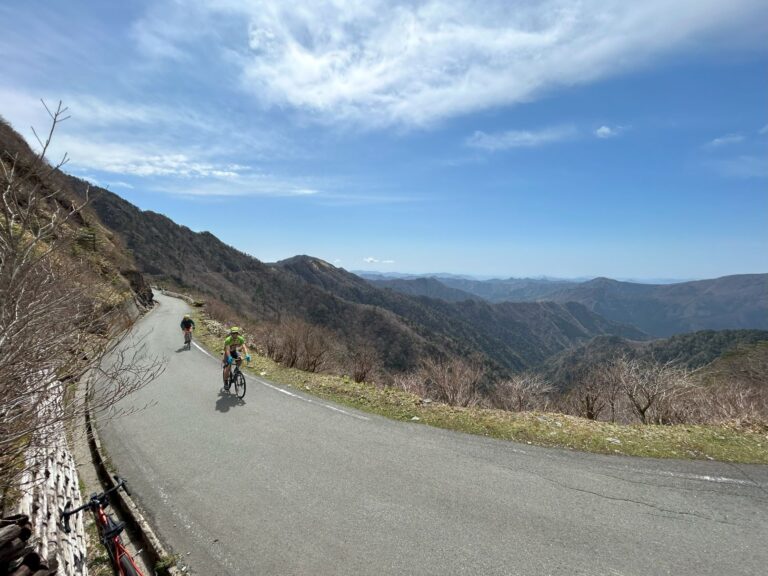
411 382
363 362
522 392
454 381
221 312
656 392
297 344
735 402
314 348
586 399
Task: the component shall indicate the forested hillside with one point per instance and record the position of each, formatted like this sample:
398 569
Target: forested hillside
689 351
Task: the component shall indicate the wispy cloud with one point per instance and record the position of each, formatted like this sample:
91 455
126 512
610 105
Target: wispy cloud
141 159
763 130
606 132
372 260
726 140
384 62
268 185
520 138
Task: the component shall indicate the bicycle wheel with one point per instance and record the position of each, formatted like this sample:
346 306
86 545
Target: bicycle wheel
240 385
126 566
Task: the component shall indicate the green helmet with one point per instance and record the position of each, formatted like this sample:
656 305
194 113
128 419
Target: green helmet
234 330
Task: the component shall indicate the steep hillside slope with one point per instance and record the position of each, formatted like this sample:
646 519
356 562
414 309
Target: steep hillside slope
730 302
97 247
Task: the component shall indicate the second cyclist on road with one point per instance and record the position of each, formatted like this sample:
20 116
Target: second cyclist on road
187 325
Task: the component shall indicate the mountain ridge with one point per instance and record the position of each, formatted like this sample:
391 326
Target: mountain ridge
738 301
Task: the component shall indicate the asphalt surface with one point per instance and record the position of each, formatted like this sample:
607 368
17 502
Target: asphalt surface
283 483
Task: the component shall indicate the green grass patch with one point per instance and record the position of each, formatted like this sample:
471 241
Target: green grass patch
542 429
164 565
97 557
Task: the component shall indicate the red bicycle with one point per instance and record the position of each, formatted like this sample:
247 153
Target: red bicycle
123 563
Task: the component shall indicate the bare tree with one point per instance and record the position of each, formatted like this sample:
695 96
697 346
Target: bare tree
587 399
363 363
657 392
527 391
314 348
602 387
455 381
58 318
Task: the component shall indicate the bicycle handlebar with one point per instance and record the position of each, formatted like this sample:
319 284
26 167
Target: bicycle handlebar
94 501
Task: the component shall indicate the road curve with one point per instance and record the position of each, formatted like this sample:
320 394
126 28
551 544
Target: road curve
288 484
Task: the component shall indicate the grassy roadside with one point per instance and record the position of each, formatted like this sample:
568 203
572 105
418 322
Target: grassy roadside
542 429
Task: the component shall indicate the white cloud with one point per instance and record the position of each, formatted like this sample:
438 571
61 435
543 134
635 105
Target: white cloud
139 159
90 179
371 260
383 62
725 140
607 132
178 172
254 185
520 138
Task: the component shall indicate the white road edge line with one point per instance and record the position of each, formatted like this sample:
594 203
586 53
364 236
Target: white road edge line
268 385
706 478
690 476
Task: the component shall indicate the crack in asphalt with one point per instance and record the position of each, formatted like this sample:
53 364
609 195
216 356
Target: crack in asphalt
681 488
628 500
748 477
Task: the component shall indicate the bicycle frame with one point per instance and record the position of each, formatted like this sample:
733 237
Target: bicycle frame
109 531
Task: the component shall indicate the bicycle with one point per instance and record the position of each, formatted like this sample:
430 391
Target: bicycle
123 563
236 378
188 339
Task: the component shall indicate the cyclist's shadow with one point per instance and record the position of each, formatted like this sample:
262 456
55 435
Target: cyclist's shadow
226 400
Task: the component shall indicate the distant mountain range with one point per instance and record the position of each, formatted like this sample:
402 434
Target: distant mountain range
730 302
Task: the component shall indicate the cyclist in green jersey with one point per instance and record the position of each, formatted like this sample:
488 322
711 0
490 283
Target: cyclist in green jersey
232 351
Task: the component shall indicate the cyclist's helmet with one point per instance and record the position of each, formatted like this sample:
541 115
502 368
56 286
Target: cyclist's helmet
186 316
234 330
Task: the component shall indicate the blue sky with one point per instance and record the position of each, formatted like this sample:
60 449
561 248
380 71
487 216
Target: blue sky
507 138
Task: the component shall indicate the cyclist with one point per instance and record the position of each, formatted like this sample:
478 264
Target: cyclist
187 325
232 345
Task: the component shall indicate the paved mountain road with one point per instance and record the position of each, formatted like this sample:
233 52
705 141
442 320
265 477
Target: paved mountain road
277 484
